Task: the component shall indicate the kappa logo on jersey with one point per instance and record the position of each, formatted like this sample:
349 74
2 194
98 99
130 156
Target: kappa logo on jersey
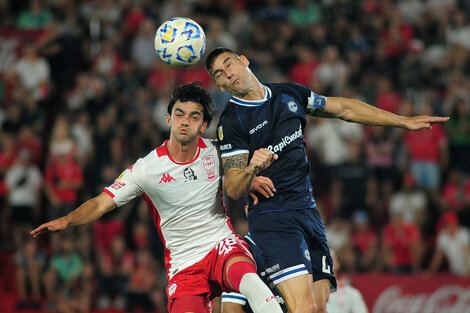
208 163
166 178
258 127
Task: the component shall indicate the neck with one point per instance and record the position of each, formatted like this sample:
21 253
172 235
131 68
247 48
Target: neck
258 92
182 152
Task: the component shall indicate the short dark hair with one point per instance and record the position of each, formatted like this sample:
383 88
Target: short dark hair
195 93
215 53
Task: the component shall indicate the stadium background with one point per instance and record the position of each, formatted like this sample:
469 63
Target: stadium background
91 95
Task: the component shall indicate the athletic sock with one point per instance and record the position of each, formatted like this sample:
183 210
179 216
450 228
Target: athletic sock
260 298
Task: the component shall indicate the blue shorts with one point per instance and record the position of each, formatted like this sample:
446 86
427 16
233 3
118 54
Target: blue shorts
293 243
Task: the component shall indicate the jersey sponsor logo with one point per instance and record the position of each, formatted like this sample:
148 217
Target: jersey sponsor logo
220 133
166 178
258 127
189 174
272 269
172 289
117 185
285 141
226 147
208 163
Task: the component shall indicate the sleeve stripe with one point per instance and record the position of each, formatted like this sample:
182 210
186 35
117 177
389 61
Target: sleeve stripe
234 297
234 152
108 192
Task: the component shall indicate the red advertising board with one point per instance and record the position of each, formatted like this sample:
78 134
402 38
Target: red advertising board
440 293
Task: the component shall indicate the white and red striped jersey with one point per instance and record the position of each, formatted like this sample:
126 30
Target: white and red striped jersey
184 199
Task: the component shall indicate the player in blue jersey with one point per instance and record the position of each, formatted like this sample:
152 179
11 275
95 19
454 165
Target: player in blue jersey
261 132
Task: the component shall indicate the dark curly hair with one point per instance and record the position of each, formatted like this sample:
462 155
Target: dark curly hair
195 93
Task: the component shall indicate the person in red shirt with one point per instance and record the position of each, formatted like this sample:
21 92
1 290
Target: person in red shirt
428 151
402 246
364 239
63 177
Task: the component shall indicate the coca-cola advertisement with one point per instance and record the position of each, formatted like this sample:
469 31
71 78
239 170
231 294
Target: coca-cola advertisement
384 293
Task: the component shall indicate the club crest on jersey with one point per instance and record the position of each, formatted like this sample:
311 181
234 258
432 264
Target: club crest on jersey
220 133
166 178
208 162
189 174
291 105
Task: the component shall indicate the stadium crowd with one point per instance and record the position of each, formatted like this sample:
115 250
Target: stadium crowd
88 95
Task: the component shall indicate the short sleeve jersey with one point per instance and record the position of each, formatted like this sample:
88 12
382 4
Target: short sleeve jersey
276 123
184 199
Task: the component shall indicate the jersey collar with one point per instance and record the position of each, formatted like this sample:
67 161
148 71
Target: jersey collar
253 103
163 150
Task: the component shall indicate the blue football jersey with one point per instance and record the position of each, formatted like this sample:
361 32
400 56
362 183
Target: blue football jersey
276 123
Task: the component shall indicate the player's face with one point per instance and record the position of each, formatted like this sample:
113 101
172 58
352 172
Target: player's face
186 121
231 73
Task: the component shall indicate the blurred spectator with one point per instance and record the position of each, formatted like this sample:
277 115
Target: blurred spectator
411 9
67 281
32 72
303 71
428 153
143 279
29 260
24 181
456 193
37 16
410 202
305 13
346 299
387 98
115 267
338 232
108 61
453 244
332 73
63 177
402 248
364 239
29 141
8 155
458 30
350 182
143 46
458 130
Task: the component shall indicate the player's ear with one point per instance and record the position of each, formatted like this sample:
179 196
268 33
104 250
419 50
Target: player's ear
203 128
244 60
168 120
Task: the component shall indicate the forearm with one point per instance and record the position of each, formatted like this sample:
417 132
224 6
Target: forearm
238 182
88 212
359 112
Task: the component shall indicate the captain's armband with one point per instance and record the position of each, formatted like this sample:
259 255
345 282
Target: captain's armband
315 103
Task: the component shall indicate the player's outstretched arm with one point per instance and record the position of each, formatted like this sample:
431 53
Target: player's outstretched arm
88 212
239 175
359 112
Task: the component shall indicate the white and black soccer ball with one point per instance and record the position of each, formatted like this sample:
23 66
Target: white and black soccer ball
180 42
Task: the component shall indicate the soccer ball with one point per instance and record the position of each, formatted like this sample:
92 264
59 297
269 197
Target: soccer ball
180 42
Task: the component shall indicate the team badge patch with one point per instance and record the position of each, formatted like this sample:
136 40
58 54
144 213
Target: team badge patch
292 106
220 133
209 165
172 289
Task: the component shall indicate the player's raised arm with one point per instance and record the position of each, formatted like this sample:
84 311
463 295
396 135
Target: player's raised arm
239 175
88 212
359 112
